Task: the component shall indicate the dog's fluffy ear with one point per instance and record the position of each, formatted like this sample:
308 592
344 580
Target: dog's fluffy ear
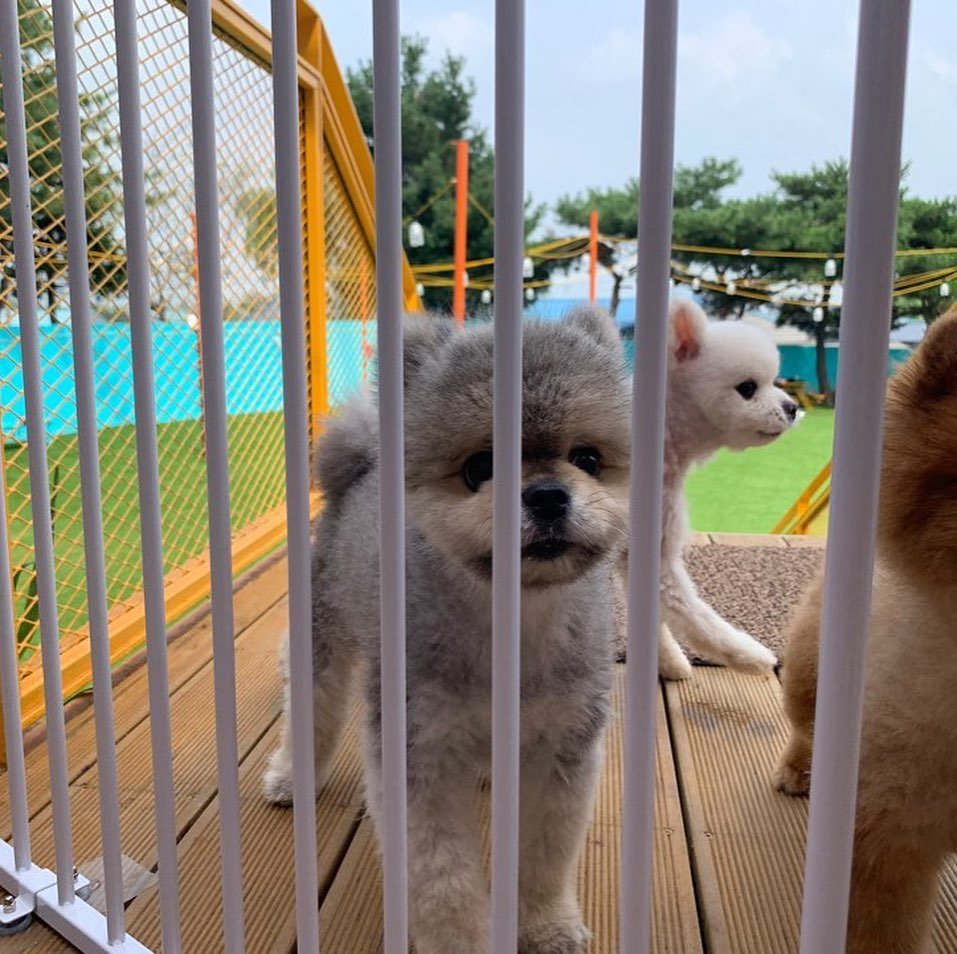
423 336
596 323
688 327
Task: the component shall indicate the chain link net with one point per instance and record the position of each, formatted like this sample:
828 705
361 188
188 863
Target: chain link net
350 290
243 92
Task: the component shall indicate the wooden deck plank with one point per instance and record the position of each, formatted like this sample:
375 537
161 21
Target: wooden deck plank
747 840
268 863
351 914
194 752
186 656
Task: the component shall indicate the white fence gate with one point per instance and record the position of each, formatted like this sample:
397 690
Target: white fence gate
875 168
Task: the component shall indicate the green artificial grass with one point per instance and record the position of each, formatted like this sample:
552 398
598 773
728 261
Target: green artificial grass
257 485
734 492
749 491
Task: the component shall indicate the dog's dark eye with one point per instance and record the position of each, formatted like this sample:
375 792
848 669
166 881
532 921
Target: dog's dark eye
586 459
477 469
747 389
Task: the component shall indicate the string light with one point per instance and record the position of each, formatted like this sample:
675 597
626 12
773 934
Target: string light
416 235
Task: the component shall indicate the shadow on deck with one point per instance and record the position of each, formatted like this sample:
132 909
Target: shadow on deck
728 848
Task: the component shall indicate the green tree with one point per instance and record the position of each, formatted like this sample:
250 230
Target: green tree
813 216
97 115
805 211
702 217
436 112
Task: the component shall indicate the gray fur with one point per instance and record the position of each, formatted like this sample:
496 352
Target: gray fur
576 393
348 448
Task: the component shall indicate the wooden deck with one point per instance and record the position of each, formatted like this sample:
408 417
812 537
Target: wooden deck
728 848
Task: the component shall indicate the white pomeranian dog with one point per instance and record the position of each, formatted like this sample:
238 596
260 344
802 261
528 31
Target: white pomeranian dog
720 393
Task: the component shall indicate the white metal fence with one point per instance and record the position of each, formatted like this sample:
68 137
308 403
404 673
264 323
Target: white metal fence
875 166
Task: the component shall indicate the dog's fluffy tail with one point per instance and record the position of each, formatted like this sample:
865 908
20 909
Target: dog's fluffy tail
348 448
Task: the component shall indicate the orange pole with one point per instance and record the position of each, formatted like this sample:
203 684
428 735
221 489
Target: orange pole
461 220
592 256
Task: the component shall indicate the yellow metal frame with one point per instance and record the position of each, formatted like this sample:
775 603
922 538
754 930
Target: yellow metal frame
808 507
329 122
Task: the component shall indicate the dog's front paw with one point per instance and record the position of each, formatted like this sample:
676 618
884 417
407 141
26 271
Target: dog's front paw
793 774
792 779
277 779
554 937
675 668
673 664
746 654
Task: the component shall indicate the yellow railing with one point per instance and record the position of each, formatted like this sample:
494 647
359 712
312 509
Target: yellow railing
809 506
338 222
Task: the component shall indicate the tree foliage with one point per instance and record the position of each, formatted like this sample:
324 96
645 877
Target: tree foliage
436 112
106 255
804 211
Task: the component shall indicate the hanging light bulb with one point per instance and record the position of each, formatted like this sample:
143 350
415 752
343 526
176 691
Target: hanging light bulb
818 315
731 288
696 284
419 289
529 294
486 296
944 289
830 268
745 251
528 267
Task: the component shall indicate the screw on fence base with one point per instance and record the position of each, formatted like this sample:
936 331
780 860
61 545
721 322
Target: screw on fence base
82 885
15 915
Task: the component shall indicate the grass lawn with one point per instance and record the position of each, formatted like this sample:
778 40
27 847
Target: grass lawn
745 493
749 492
257 485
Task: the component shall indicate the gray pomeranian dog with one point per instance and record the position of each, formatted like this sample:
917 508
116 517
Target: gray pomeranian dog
575 450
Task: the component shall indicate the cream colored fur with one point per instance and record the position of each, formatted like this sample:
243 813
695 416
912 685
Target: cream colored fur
906 820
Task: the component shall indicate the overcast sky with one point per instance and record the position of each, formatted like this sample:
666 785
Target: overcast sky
766 81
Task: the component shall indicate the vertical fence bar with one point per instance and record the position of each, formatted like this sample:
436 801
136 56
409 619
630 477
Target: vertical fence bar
213 369
10 698
289 237
71 151
865 325
647 464
506 481
19 178
9 666
388 206
147 462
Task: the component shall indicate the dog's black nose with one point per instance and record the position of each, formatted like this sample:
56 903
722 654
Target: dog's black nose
790 409
547 501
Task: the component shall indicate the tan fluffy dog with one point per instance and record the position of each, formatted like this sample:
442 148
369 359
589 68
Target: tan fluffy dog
907 799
